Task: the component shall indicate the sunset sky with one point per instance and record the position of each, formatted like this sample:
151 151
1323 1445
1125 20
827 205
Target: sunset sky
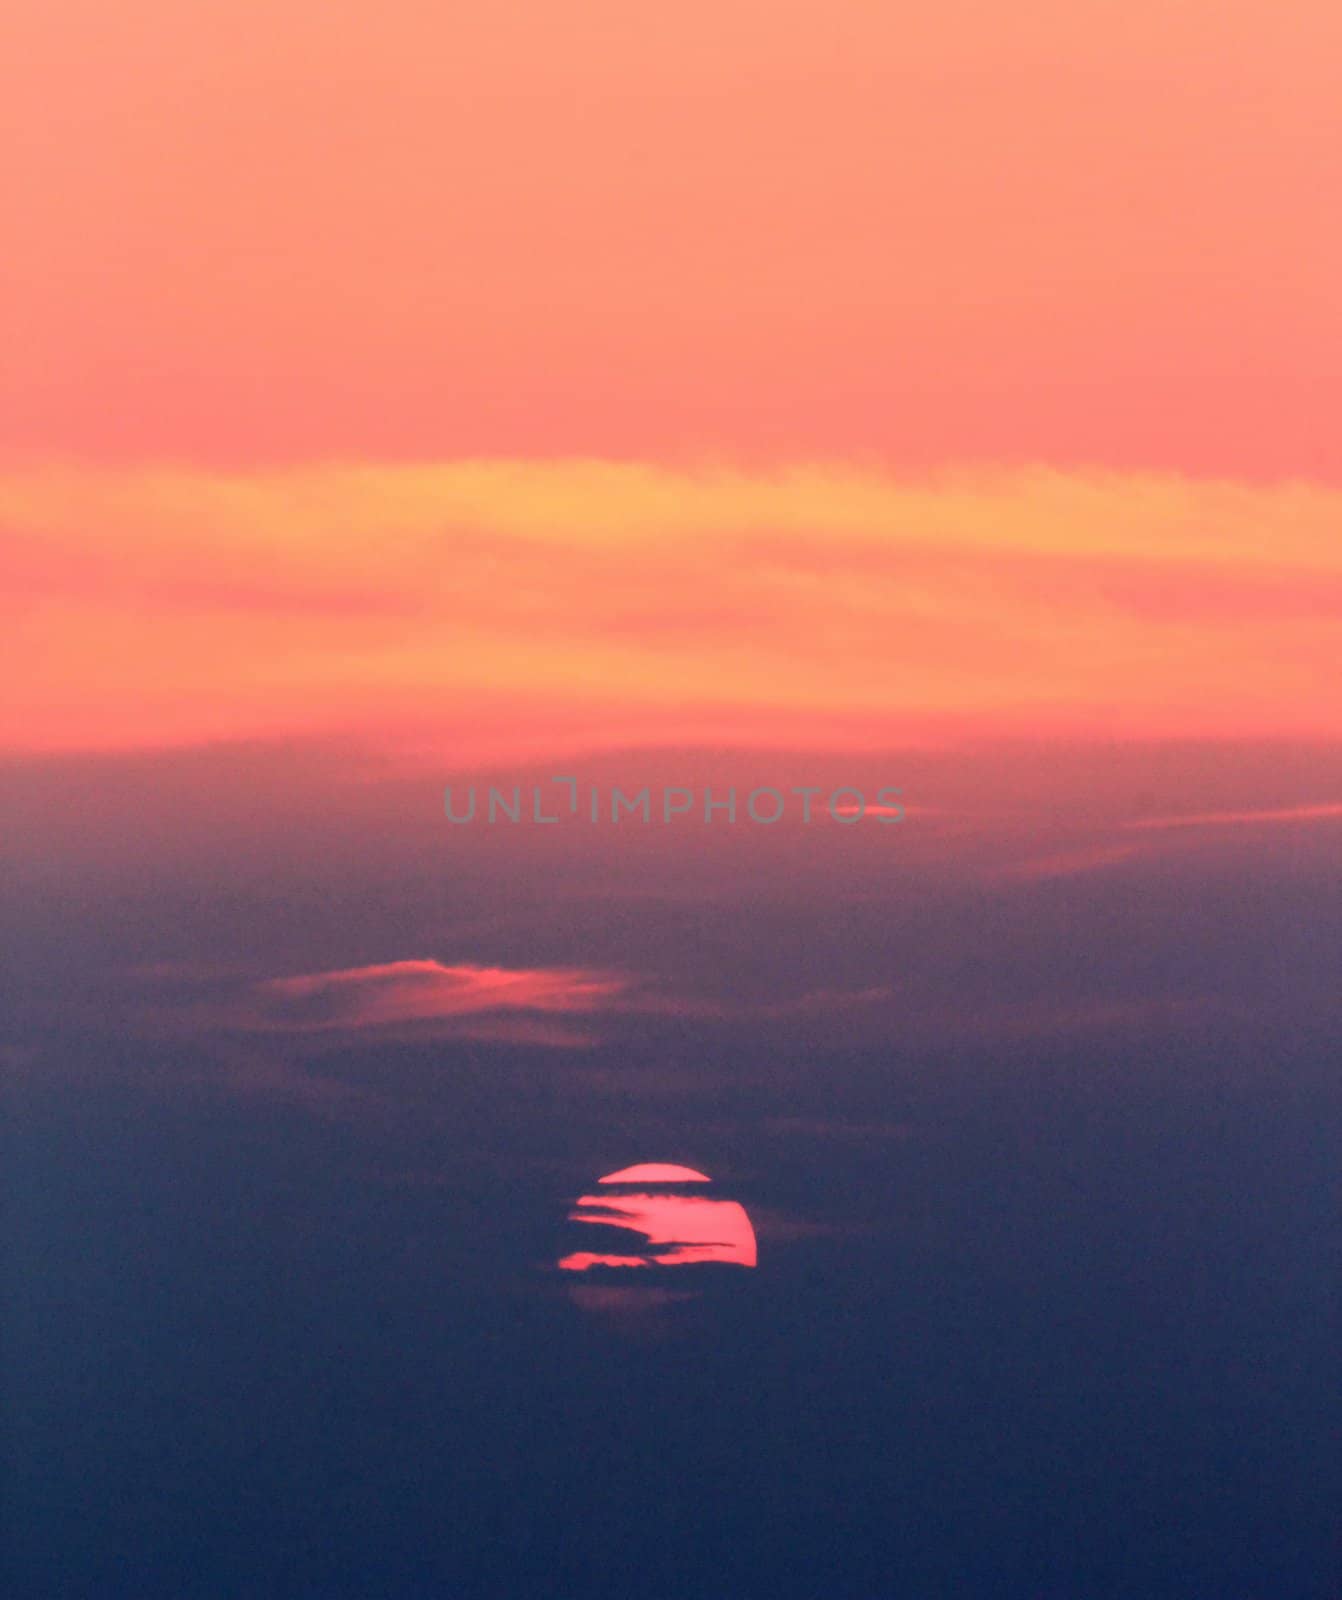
268 231
833 392
738 371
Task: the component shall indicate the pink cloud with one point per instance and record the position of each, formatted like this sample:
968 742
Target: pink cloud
426 998
501 1001
1067 863
1227 819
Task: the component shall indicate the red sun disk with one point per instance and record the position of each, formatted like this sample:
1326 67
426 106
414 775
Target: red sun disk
672 1230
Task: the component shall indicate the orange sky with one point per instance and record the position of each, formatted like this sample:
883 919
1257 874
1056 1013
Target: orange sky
387 364
285 228
521 608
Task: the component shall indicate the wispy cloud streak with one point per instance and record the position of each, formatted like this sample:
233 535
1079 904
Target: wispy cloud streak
620 603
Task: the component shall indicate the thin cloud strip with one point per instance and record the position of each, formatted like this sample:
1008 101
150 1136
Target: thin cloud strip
400 992
622 602
425 998
1328 811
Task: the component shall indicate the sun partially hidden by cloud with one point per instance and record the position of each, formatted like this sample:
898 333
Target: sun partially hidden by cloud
658 1226
534 606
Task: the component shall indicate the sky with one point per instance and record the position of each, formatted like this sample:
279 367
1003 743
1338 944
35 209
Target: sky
267 232
717 375
401 401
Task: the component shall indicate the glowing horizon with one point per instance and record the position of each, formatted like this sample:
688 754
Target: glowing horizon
532 607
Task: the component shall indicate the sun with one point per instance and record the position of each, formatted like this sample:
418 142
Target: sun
648 1222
